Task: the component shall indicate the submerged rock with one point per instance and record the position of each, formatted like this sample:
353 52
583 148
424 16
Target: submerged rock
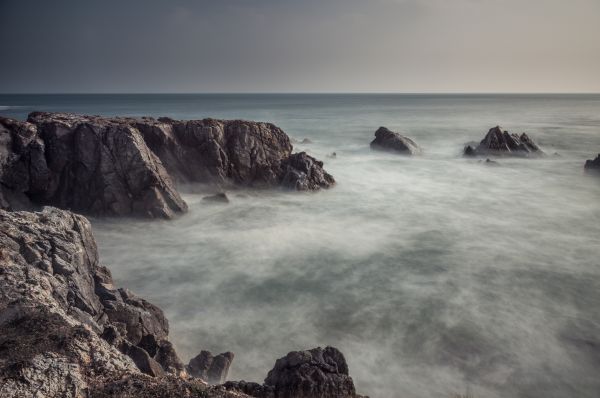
498 142
593 166
389 141
220 197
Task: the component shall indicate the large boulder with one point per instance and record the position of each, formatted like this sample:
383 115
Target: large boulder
499 142
386 140
593 166
320 372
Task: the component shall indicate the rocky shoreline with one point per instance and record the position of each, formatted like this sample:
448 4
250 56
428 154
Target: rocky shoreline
67 331
131 166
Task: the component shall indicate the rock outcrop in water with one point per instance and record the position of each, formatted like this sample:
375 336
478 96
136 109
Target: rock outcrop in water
66 331
389 141
498 142
124 166
213 369
593 166
90 165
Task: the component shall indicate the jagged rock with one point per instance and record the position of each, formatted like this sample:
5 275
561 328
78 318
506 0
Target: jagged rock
387 140
102 166
23 169
123 166
305 173
314 373
213 369
220 197
499 142
593 165
61 319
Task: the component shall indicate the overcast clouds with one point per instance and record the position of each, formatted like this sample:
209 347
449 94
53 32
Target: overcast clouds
297 46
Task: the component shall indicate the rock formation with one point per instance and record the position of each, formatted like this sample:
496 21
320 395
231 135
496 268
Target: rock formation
592 166
90 165
304 173
387 140
320 372
125 166
66 331
210 368
499 142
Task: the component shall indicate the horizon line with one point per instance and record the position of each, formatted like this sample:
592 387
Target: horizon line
318 93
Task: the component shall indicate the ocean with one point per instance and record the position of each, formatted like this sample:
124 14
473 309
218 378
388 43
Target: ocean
435 275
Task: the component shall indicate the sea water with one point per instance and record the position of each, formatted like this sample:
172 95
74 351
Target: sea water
435 275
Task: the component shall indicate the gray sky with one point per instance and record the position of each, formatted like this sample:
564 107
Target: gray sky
300 46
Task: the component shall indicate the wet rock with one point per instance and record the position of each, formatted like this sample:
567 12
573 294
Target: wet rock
499 142
387 140
213 369
332 155
220 197
305 173
306 141
593 166
314 373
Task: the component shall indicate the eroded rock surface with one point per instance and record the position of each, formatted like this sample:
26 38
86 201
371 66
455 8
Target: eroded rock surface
126 166
387 140
63 325
499 142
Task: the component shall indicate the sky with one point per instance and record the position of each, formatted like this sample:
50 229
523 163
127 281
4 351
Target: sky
412 46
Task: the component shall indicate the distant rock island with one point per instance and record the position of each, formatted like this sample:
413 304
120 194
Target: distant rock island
387 140
130 166
499 142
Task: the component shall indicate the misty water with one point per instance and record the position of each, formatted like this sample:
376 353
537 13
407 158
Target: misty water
435 275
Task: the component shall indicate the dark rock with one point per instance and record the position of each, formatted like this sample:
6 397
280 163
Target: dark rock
306 141
213 369
23 169
314 373
123 166
498 142
593 166
220 197
332 155
305 173
387 140
143 361
490 162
